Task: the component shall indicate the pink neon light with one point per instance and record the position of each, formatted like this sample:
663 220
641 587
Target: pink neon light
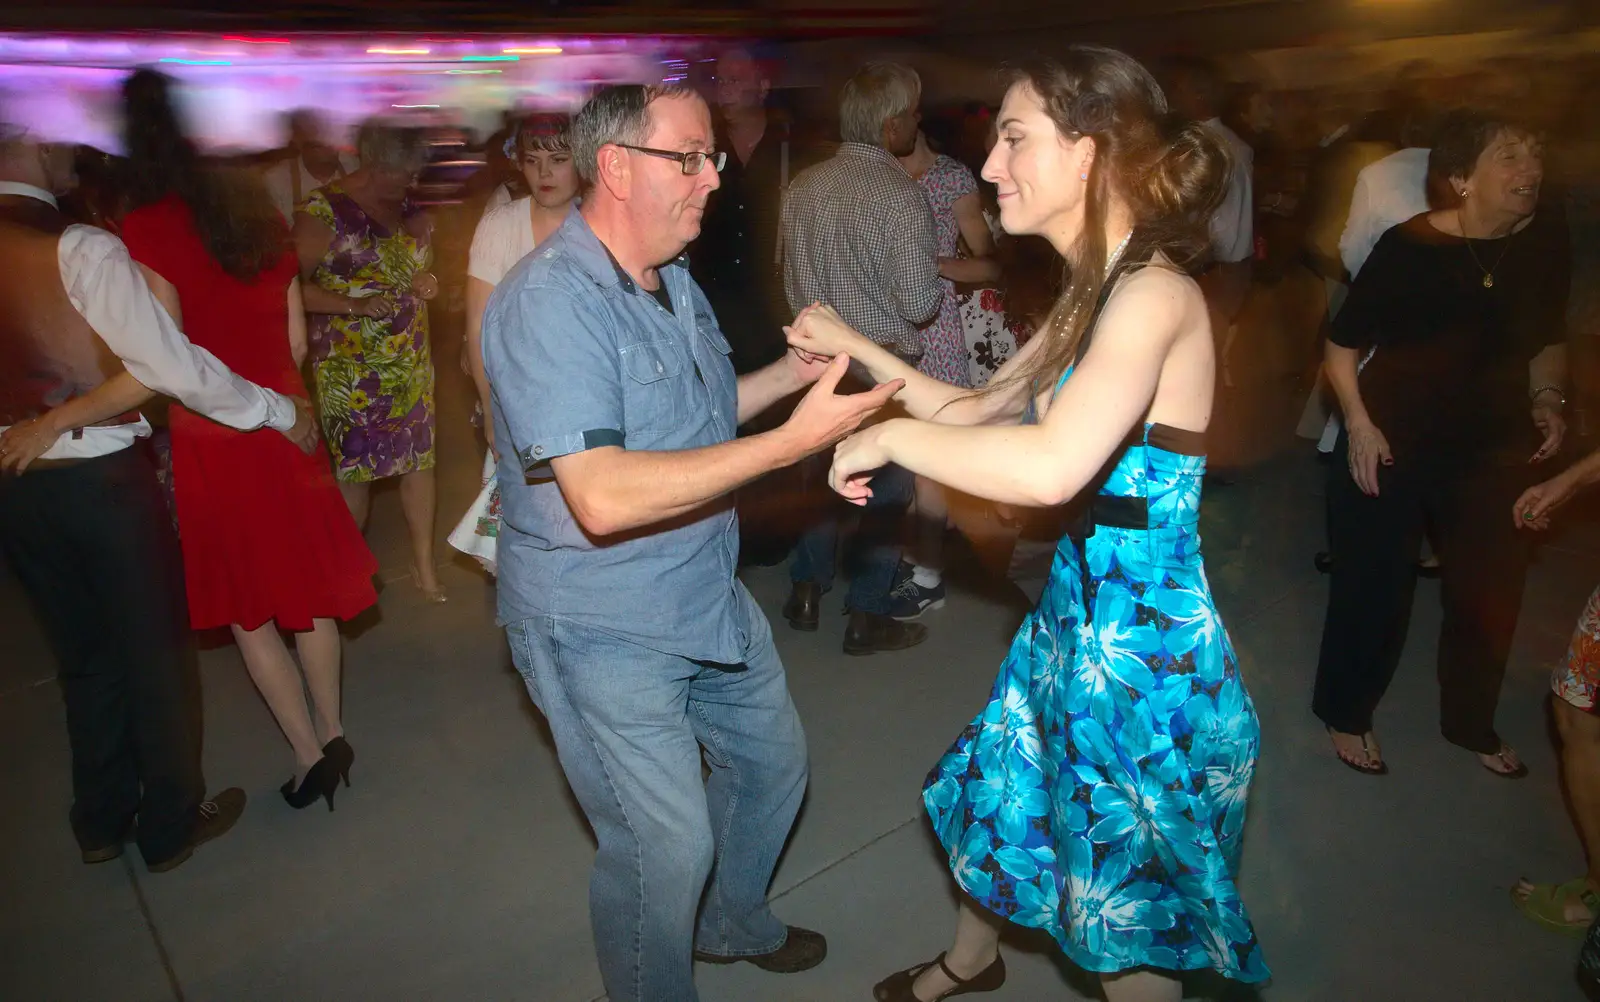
255 41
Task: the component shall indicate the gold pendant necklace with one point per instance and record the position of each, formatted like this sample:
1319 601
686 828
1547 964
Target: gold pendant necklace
1488 273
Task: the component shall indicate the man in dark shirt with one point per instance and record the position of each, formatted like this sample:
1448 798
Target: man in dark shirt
735 259
735 262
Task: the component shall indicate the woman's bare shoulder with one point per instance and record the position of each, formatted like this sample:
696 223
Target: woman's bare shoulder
1156 289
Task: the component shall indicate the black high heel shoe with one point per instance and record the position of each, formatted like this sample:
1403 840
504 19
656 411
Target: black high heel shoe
897 987
339 752
320 782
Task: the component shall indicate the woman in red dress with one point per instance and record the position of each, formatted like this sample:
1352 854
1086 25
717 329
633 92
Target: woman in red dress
268 544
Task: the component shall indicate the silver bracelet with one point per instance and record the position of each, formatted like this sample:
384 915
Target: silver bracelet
1561 398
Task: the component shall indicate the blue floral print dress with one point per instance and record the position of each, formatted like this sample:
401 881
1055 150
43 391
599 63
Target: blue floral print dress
1100 795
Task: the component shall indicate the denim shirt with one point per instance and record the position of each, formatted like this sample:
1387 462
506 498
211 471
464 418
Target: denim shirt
580 357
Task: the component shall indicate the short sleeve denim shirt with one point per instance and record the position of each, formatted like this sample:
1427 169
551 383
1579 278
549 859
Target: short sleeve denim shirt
580 357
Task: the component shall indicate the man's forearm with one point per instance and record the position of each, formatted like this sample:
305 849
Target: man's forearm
116 396
764 387
919 297
612 490
111 294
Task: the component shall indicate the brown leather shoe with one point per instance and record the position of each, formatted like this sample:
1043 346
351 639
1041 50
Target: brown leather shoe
217 816
801 951
872 633
804 607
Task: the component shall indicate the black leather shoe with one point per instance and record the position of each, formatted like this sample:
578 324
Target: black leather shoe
801 951
804 606
872 633
106 853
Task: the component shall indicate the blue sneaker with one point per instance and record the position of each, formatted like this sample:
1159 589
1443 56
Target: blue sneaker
910 600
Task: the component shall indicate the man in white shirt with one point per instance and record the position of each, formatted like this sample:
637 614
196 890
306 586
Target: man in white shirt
1387 193
310 162
84 525
1196 91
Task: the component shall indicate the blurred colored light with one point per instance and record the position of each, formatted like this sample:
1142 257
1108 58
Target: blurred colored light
381 51
255 41
469 72
490 59
536 50
413 106
197 62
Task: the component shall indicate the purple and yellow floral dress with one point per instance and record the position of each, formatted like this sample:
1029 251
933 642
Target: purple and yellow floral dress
373 378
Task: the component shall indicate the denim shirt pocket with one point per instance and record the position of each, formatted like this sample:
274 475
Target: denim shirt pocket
713 334
654 397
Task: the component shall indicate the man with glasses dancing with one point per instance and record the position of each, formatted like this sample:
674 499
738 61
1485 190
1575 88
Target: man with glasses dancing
617 404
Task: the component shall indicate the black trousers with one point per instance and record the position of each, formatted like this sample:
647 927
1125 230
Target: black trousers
1483 562
93 546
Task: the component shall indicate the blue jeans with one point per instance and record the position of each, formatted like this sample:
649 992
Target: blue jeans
683 863
877 541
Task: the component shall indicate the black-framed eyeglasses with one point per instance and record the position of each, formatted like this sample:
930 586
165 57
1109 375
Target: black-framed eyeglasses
693 163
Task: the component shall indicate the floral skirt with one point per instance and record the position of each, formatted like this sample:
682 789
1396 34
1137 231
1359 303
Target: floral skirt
478 533
1577 679
989 340
944 348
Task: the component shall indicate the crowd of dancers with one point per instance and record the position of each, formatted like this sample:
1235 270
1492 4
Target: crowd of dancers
689 335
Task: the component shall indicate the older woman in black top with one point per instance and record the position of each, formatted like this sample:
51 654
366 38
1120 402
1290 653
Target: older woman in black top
1464 310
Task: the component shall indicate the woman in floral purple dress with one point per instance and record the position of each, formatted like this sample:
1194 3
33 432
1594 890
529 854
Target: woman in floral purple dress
965 248
365 255
957 216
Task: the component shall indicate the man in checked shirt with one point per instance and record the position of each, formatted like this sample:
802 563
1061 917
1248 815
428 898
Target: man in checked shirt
858 234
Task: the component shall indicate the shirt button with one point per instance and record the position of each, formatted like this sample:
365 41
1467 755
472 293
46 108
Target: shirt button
538 450
660 367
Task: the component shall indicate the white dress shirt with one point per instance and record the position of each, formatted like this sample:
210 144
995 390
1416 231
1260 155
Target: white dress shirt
108 291
1233 237
1387 193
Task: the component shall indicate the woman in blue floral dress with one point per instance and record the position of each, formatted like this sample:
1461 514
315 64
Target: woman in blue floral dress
1100 795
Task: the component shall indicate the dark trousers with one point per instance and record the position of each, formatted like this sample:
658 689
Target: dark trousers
93 546
1483 562
876 544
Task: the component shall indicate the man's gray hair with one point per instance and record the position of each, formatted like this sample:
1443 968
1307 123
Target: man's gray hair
397 147
877 93
620 115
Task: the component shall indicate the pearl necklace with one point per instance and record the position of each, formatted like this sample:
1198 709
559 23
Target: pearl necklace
1111 263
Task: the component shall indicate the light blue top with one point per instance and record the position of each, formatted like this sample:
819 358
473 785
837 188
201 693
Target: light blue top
580 357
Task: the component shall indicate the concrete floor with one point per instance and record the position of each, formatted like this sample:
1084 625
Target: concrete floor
456 867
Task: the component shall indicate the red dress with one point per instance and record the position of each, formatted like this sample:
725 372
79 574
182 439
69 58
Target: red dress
266 534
